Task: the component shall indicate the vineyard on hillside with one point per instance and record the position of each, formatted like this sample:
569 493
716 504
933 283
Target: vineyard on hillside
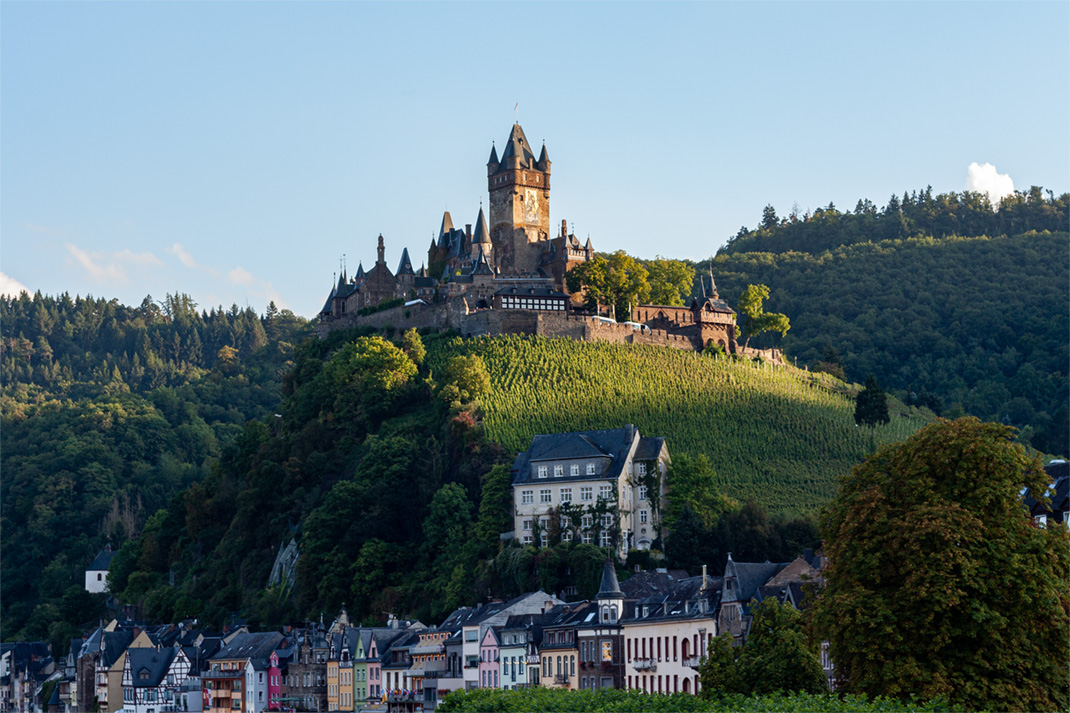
780 435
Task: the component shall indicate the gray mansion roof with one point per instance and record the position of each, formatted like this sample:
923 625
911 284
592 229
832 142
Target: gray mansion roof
612 445
147 666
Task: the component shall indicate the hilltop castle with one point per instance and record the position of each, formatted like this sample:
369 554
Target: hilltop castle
507 276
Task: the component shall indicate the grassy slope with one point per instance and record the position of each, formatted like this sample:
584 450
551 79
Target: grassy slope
775 434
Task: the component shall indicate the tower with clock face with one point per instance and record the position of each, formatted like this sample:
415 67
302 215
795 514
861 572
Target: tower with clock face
519 186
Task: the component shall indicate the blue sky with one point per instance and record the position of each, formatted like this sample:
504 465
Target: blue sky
234 151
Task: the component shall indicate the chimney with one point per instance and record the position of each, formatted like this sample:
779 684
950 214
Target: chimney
703 587
548 606
564 228
468 231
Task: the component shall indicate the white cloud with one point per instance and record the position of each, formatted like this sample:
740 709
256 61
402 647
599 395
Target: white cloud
983 178
110 267
10 287
184 256
91 263
241 276
128 255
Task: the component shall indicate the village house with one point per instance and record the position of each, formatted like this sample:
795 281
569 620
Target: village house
96 574
152 678
602 487
237 678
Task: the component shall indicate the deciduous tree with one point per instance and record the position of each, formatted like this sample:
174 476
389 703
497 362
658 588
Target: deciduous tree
939 584
755 319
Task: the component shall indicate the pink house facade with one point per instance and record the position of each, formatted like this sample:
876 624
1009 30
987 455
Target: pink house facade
488 659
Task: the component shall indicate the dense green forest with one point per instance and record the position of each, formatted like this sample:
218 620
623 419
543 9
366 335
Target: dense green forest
943 314
108 413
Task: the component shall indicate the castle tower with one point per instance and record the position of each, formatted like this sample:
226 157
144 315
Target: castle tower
481 242
519 186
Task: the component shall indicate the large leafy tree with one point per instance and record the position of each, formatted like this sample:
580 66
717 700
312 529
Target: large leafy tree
670 281
939 584
755 319
619 280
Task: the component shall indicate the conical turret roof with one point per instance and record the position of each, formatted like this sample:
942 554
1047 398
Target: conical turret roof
482 267
543 155
610 588
405 266
493 155
482 235
447 225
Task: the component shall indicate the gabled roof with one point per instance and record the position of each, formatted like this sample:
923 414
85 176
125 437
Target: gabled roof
153 662
649 448
747 577
113 644
482 268
250 646
103 560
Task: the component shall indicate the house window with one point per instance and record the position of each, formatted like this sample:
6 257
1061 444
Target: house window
574 469
587 538
607 520
605 492
605 539
542 471
642 517
640 468
527 497
545 497
566 522
559 470
527 524
642 492
566 495
586 493
544 539
100 577
566 536
528 539
590 469
586 521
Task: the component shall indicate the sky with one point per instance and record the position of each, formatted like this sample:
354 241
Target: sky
236 151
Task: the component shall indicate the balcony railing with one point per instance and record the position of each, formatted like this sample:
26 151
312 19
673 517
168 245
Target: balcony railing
560 679
533 659
693 661
645 664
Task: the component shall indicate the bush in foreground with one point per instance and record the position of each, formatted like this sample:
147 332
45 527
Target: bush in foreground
607 700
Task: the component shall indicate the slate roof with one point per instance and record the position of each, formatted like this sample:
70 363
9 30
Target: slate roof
482 235
749 576
678 600
250 646
649 448
530 292
113 644
646 584
405 266
612 444
518 146
154 661
1058 472
102 561
610 588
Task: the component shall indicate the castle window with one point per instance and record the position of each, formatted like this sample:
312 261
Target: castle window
527 497
573 469
590 469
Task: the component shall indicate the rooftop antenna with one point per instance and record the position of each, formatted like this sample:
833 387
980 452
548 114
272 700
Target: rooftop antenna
517 110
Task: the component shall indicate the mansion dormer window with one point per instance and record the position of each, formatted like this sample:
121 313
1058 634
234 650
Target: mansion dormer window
542 471
573 469
590 469
559 470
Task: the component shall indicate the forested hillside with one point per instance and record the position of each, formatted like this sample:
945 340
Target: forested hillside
108 413
396 485
965 325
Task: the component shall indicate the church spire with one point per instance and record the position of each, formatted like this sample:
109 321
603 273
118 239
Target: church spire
380 251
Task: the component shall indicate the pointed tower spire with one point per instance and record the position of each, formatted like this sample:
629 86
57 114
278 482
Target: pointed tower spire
405 266
380 251
359 277
713 287
482 267
543 164
610 588
482 235
447 226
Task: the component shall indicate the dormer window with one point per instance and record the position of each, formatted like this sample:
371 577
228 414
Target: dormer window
542 471
590 469
559 470
574 469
